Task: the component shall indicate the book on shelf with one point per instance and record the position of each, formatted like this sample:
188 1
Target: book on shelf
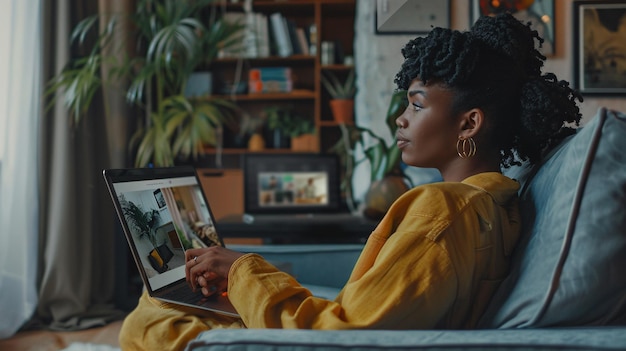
270 80
304 44
293 37
250 37
255 41
262 35
312 39
270 86
233 18
270 73
265 35
281 34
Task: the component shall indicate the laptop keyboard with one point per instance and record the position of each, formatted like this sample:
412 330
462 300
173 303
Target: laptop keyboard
183 293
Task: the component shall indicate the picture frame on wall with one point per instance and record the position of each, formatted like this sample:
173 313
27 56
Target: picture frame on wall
411 16
540 14
160 199
599 32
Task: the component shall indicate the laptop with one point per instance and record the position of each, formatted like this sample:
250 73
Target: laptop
292 187
163 212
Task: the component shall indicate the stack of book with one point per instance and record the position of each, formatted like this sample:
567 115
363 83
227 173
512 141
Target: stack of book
270 80
273 34
255 35
291 39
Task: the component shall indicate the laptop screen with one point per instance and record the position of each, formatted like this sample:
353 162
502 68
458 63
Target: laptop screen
163 212
291 183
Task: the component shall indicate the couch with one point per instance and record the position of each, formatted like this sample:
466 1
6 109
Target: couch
567 286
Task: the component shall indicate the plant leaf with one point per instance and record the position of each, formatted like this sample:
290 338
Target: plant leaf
397 105
377 156
82 29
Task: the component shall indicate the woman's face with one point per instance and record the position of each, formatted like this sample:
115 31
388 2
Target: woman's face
427 133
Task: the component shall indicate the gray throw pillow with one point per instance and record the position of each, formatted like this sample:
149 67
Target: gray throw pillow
568 268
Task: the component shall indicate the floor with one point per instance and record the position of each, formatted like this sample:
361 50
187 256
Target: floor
43 340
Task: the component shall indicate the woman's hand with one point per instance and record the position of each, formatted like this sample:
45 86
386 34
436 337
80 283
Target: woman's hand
209 267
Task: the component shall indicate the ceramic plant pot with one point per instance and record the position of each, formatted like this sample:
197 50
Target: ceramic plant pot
343 110
304 142
382 194
256 142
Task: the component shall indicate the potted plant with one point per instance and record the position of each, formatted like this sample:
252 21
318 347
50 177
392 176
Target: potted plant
278 121
342 94
303 136
249 131
171 42
387 179
144 223
284 124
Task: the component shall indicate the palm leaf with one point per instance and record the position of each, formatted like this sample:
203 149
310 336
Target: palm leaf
137 87
191 125
142 222
155 145
79 83
80 79
178 39
171 41
83 28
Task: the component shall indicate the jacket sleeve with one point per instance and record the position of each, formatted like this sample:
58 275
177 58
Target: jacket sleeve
409 283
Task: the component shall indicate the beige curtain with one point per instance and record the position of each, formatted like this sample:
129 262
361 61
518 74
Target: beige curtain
79 265
170 200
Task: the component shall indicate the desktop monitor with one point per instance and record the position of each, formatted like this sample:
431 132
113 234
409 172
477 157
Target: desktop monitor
291 183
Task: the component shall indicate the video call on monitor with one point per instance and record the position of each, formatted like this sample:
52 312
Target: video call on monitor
304 183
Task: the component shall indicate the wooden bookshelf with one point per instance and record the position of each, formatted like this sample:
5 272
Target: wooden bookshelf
334 21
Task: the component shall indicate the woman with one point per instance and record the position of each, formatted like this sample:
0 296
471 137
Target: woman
477 101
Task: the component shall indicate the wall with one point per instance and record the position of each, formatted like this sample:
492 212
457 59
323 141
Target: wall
378 59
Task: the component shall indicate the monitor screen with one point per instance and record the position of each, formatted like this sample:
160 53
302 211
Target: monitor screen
291 183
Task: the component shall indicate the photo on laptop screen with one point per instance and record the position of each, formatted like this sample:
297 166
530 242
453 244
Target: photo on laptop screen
291 183
164 212
164 221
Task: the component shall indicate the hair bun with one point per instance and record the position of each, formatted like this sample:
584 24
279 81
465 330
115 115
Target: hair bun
511 38
545 121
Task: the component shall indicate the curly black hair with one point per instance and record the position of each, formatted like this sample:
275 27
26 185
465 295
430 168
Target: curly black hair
495 66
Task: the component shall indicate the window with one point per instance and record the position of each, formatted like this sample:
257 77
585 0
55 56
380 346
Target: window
5 30
20 85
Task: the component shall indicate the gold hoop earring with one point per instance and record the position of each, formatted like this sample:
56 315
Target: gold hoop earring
465 148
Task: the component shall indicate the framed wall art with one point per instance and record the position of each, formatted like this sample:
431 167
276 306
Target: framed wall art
160 199
599 31
411 16
540 14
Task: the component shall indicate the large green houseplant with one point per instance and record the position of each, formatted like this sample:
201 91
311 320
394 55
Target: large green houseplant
171 41
143 223
387 178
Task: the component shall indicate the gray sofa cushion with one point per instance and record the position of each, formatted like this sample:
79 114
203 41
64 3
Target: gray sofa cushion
591 338
568 268
324 265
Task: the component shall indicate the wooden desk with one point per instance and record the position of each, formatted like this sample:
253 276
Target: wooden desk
293 230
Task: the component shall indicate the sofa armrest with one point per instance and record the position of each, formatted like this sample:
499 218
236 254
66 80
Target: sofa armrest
587 338
326 265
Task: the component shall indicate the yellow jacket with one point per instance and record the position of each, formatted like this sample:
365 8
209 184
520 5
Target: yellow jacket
434 261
